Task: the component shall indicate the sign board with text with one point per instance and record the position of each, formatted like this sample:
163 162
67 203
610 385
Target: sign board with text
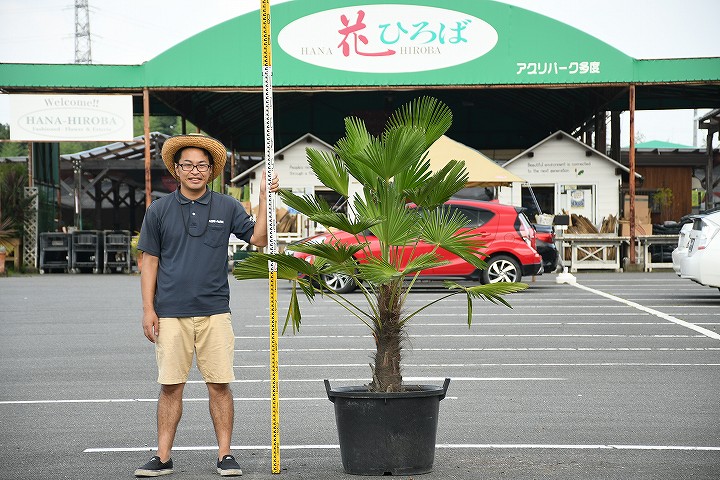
55 118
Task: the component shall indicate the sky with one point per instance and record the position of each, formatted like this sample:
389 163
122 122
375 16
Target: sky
134 31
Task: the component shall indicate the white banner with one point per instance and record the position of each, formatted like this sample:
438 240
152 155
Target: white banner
55 118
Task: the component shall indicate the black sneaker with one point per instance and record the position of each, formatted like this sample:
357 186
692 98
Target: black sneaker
228 467
155 468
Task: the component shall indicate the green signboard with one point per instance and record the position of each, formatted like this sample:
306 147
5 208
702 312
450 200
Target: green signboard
374 43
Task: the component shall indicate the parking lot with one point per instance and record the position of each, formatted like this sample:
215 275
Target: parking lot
616 377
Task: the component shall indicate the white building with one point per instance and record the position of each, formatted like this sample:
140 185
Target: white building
566 175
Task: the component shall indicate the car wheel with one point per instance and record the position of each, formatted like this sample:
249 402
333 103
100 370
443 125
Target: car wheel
339 283
501 269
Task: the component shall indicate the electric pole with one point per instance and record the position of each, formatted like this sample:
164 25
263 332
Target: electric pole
82 32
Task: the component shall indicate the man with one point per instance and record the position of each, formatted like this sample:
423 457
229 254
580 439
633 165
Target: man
185 292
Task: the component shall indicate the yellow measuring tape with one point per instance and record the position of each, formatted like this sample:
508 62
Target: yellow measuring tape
272 230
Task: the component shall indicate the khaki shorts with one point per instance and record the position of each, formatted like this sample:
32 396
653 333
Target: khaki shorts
210 338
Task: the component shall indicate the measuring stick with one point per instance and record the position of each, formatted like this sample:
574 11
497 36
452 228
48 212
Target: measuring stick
272 229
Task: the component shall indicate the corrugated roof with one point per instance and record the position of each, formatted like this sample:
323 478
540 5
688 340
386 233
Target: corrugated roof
653 144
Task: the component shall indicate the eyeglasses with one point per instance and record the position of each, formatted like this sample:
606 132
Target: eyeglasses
188 167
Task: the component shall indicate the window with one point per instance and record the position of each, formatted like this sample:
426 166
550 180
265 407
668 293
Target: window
476 216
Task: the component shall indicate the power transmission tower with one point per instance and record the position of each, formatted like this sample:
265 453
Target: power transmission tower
82 32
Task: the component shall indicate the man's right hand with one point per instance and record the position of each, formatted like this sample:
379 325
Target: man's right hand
151 326
148 285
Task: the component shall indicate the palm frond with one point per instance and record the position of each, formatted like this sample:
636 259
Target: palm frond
492 292
414 177
329 170
423 262
425 113
294 315
397 151
378 271
308 205
335 252
443 227
343 222
399 225
441 185
351 148
288 267
318 210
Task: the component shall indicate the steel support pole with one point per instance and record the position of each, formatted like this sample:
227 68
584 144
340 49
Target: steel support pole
631 180
146 134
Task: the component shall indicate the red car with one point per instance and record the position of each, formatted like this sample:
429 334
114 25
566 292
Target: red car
509 251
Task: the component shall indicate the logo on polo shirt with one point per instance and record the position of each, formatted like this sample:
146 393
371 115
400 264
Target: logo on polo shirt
216 221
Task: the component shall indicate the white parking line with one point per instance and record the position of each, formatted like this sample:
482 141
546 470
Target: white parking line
459 446
487 324
489 335
475 365
501 349
154 400
516 313
408 379
665 316
286 399
490 314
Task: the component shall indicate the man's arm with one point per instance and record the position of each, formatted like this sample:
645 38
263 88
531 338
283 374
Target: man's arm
148 285
259 236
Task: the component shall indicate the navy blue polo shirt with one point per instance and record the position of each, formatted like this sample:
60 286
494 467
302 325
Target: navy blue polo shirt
190 238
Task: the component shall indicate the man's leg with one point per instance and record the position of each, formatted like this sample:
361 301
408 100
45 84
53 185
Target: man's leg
222 411
169 411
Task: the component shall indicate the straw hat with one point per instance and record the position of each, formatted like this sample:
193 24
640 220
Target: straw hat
173 144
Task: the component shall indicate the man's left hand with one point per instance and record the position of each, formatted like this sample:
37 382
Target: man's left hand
274 186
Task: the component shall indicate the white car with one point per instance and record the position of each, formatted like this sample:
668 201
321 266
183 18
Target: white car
681 250
702 263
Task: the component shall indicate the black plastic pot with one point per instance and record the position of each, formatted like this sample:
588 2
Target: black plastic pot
387 433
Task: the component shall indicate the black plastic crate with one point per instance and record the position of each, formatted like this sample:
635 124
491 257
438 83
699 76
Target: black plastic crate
116 251
55 252
86 253
54 240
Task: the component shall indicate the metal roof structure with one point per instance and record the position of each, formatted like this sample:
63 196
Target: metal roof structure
511 77
124 152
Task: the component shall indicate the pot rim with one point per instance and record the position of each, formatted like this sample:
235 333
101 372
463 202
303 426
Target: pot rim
360 391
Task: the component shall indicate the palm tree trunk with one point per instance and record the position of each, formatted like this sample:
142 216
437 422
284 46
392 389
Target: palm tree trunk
388 339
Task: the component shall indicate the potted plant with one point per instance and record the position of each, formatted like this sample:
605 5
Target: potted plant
5 246
3 255
134 252
401 203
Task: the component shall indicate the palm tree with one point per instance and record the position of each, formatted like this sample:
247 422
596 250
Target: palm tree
14 204
394 172
6 232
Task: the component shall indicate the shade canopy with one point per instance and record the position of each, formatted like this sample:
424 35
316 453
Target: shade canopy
482 171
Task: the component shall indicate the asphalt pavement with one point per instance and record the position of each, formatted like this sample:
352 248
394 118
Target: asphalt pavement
616 377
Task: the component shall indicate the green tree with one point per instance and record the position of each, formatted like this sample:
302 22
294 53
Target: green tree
8 149
67 148
169 125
